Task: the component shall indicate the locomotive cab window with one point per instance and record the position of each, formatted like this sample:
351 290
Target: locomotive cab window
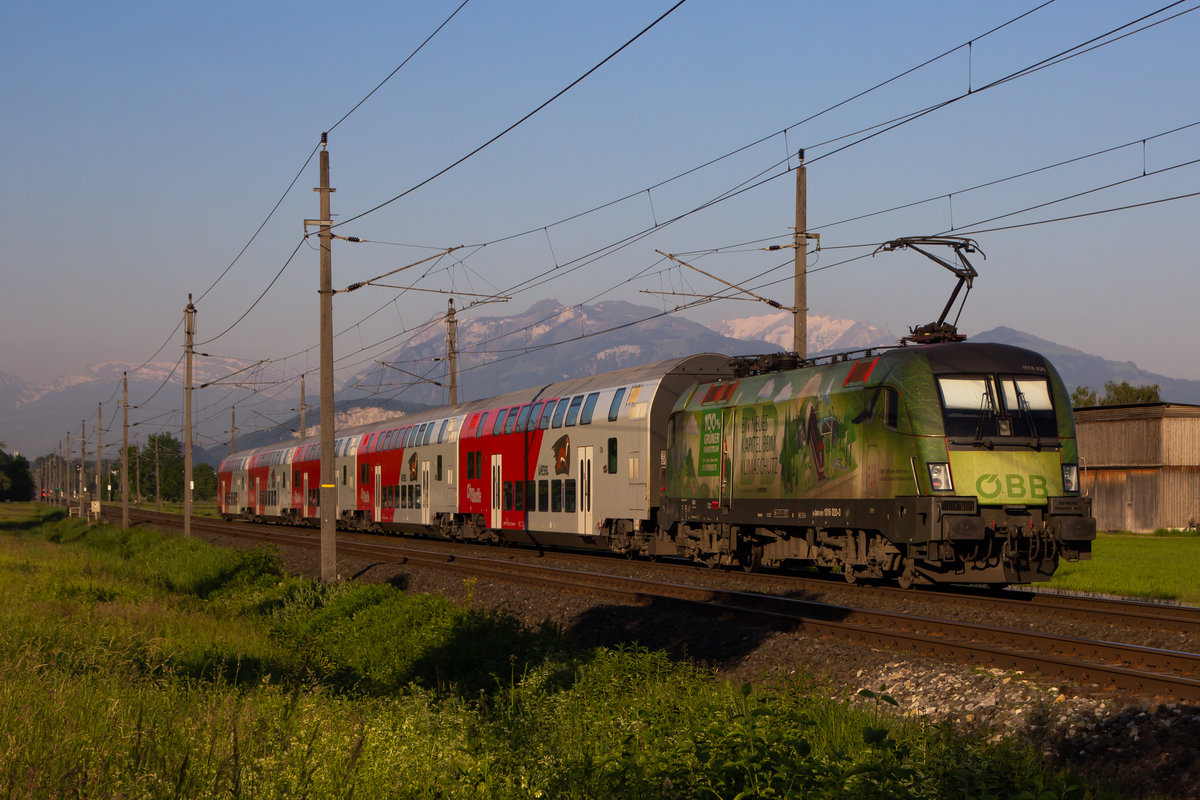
969 405
1010 406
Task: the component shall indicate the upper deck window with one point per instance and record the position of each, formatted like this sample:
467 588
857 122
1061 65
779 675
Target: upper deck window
589 405
523 420
615 407
573 410
560 410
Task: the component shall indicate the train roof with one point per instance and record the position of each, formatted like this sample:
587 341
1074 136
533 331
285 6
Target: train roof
697 368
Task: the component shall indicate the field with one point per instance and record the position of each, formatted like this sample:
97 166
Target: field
142 665
1162 566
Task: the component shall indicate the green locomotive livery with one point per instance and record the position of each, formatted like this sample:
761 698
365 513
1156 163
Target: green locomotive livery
932 463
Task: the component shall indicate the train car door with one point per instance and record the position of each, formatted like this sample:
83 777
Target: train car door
378 514
727 453
585 491
497 521
423 499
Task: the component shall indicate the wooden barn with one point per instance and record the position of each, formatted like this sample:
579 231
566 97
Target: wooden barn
1141 465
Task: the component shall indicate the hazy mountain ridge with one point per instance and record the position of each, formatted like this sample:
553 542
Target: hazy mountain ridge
1078 368
496 354
501 354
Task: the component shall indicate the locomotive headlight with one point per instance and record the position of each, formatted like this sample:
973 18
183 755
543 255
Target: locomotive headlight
1070 477
939 477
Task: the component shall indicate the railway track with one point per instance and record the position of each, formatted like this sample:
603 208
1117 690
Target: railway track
1111 665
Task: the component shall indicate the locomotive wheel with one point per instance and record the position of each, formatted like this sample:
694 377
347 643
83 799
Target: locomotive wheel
750 557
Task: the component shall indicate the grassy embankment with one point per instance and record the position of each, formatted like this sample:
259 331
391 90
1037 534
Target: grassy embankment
139 665
1161 566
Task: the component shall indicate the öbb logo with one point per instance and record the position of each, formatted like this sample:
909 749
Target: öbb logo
1015 485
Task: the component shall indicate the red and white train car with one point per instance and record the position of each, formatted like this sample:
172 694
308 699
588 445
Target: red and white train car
580 462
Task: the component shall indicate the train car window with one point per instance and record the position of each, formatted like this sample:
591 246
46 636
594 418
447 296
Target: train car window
543 495
470 465
569 495
428 432
411 435
498 426
547 412
523 419
589 405
482 426
438 474
556 495
560 411
508 496
891 407
511 421
612 455
519 496
363 472
296 477
573 410
345 475
417 496
531 495
614 408
442 433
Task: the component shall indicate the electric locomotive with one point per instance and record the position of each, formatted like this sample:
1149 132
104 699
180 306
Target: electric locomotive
931 463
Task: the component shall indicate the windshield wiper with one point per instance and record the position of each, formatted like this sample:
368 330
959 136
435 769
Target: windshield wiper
985 407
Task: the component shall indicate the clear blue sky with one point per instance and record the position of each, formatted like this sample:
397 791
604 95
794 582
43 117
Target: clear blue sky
145 142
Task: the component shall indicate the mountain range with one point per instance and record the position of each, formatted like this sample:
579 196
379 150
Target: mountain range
547 342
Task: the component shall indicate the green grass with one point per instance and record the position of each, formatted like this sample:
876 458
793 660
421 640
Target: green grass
141 665
1162 566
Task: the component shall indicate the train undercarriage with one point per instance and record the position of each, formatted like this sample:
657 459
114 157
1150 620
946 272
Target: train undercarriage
910 541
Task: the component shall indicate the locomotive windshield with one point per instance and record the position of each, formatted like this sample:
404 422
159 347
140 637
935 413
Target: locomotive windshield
979 406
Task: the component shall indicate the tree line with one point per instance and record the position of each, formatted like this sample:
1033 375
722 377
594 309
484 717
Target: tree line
16 479
1115 394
